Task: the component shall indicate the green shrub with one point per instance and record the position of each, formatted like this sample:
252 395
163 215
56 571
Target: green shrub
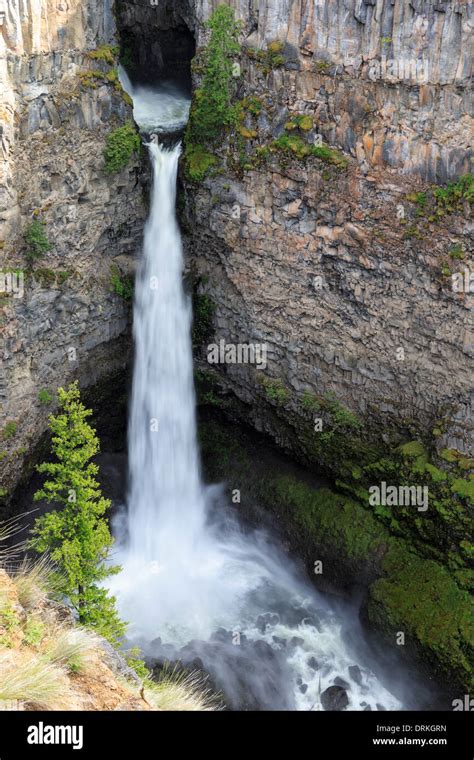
120 145
34 631
90 78
36 240
106 53
321 66
275 390
45 397
122 284
448 198
457 251
295 145
299 121
203 316
134 660
269 59
9 430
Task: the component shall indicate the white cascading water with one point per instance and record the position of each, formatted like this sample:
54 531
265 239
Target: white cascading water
182 577
166 488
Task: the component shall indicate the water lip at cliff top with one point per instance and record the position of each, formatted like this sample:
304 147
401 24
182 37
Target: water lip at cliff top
161 109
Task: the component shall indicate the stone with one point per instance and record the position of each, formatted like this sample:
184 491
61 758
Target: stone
334 698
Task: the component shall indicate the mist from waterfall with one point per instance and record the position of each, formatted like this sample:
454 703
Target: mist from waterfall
228 596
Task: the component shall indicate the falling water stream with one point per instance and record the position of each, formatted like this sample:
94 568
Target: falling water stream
191 586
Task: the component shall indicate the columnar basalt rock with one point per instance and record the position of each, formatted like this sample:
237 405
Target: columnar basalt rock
392 79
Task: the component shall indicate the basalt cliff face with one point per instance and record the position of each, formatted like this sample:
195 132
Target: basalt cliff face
59 100
345 274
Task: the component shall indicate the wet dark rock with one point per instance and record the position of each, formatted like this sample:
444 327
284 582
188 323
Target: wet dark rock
265 620
263 650
340 682
314 621
221 635
294 616
250 677
380 707
196 664
304 688
356 674
313 663
296 641
278 640
334 698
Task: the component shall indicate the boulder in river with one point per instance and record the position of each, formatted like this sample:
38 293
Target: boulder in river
355 674
334 698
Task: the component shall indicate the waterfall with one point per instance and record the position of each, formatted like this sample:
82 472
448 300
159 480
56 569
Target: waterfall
193 582
166 497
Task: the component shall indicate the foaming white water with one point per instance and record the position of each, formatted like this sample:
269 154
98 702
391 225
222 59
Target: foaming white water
182 578
164 108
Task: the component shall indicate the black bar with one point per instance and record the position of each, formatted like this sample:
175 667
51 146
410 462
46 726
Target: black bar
314 734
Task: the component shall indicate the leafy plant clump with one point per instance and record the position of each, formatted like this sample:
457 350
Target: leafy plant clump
45 396
36 240
269 59
275 390
203 316
77 536
122 284
121 144
435 203
199 162
106 53
296 146
9 431
299 121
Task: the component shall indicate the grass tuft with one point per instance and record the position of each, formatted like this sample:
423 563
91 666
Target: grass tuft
36 684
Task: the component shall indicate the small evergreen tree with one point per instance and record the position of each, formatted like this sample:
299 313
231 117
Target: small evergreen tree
77 537
36 240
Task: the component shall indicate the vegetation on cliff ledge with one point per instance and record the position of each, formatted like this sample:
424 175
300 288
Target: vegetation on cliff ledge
212 112
36 240
121 144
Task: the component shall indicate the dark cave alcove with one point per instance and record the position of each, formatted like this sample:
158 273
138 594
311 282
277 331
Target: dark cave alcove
157 41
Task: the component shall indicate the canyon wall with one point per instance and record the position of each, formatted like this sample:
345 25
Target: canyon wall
342 274
60 318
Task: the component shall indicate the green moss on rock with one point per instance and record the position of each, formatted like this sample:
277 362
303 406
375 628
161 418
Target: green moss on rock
329 519
418 596
198 162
